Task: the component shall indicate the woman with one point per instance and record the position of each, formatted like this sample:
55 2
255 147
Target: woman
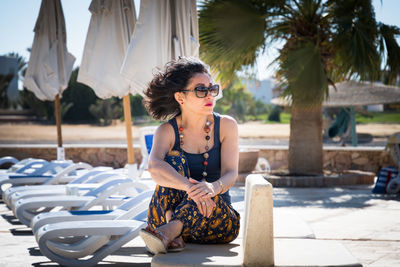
198 144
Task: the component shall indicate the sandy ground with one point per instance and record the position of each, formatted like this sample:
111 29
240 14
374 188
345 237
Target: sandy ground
82 133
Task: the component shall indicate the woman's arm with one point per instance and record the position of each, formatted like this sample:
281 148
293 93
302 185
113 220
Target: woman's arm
229 154
161 172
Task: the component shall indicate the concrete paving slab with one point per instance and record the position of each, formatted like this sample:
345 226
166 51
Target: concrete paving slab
286 224
288 253
203 255
311 252
328 211
375 253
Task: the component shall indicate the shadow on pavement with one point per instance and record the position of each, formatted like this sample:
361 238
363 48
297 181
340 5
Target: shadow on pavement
24 232
331 198
34 251
11 219
45 263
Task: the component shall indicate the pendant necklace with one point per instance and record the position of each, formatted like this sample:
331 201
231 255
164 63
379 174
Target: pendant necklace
207 130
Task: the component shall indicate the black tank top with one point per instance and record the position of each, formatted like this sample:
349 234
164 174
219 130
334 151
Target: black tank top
195 161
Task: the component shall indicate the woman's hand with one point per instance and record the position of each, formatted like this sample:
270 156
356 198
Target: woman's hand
206 206
201 193
201 189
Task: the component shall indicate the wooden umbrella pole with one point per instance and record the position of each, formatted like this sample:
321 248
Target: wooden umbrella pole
128 126
57 114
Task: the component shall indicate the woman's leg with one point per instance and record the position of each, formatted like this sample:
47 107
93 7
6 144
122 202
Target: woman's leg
162 205
221 227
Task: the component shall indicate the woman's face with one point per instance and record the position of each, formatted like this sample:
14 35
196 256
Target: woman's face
203 105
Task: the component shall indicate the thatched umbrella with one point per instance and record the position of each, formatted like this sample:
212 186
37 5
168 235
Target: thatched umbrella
354 93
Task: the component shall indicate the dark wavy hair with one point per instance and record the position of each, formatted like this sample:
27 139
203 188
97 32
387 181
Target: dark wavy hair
160 101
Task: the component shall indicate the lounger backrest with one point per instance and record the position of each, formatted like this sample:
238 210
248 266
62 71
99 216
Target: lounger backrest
51 168
118 179
144 196
89 175
31 166
8 160
106 191
101 177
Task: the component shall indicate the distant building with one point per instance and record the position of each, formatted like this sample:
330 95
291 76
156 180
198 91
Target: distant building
9 65
261 90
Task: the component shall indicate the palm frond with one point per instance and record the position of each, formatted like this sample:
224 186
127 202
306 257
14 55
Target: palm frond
231 34
304 72
388 44
354 39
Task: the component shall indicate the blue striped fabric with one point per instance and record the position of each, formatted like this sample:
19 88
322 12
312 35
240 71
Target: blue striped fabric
383 179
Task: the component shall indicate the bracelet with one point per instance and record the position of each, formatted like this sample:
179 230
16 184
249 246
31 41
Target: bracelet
221 185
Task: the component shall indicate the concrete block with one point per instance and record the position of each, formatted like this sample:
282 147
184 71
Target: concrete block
258 237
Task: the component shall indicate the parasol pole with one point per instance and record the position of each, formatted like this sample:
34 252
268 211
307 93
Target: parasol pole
128 126
57 113
132 168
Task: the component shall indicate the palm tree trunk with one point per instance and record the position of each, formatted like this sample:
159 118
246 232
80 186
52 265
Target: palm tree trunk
305 144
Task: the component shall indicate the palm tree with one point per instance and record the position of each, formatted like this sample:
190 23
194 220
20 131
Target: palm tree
323 42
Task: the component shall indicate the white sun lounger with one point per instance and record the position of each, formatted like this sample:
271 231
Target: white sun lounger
8 160
26 209
97 239
30 174
126 211
18 164
13 194
23 166
67 237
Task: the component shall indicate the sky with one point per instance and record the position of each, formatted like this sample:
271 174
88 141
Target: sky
18 17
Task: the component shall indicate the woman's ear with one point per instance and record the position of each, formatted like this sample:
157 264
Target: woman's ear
179 97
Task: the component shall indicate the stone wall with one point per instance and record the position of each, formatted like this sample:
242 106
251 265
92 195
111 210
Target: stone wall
335 159
105 155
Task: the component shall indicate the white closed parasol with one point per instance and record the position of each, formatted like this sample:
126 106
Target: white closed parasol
50 64
113 66
107 40
165 30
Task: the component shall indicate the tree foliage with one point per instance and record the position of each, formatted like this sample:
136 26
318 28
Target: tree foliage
323 41
239 103
81 97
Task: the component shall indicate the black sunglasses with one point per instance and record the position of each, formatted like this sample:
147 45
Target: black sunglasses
202 91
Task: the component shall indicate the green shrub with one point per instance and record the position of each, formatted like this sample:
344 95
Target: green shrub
105 111
275 114
82 97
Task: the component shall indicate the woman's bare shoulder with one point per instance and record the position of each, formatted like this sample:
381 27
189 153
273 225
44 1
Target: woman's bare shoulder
165 129
164 137
227 122
229 128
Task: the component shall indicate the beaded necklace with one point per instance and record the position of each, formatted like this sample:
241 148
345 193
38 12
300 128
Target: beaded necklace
207 130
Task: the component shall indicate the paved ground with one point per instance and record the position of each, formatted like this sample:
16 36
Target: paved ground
368 225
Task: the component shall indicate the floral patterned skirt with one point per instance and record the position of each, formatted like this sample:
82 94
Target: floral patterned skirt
221 227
